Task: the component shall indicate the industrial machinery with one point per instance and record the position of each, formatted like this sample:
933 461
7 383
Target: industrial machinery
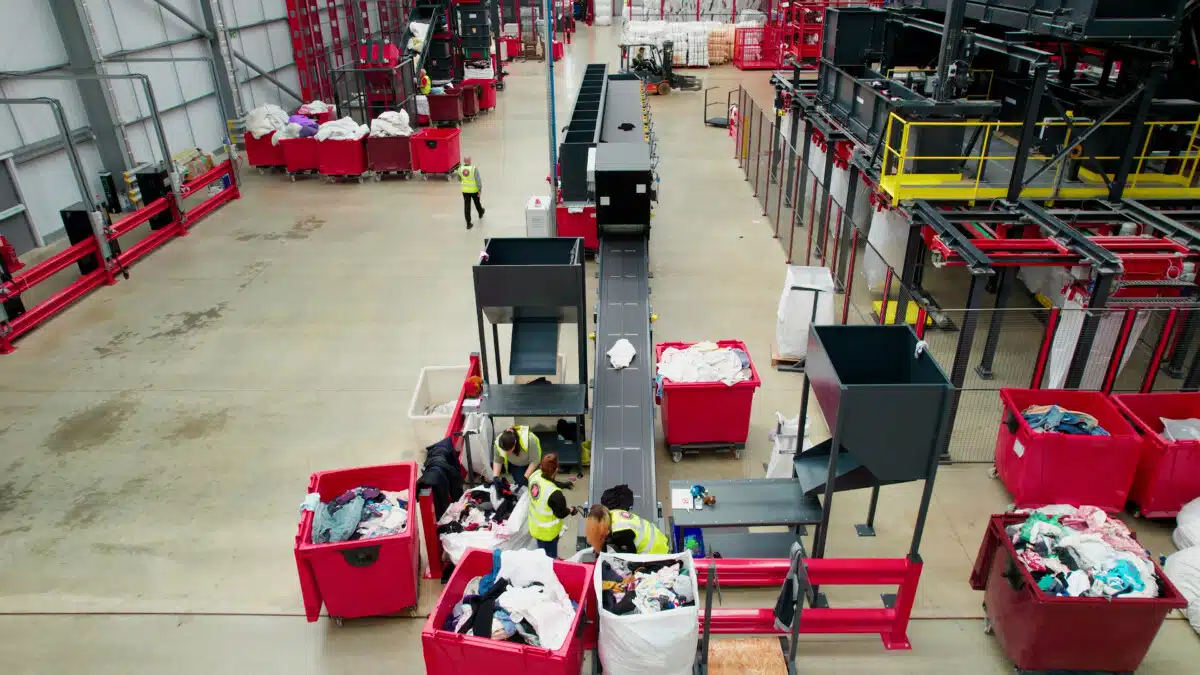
654 66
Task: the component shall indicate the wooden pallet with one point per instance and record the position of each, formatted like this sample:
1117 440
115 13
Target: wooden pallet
786 361
746 656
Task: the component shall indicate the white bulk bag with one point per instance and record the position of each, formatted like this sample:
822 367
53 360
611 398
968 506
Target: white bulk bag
1187 530
1183 569
784 438
795 312
648 644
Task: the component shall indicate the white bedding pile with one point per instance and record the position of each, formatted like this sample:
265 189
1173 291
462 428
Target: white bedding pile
265 119
345 129
391 123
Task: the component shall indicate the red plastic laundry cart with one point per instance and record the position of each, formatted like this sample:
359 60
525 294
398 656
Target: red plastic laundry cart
1040 632
698 415
448 653
367 577
487 91
261 153
1054 468
343 158
390 155
1168 475
446 108
470 99
436 151
300 155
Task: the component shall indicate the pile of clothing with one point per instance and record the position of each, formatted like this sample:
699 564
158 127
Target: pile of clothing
1051 418
344 129
298 126
487 518
265 119
645 587
315 108
521 600
360 513
391 123
1082 552
704 362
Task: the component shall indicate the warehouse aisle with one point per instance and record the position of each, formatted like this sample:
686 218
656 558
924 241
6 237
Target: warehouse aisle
157 438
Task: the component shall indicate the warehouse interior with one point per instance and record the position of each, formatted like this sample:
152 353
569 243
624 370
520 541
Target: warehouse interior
159 429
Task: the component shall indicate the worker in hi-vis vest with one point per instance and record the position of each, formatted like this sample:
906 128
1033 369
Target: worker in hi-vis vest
623 532
547 506
468 175
423 84
518 452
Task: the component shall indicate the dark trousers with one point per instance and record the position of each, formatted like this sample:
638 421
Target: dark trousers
469 197
550 547
517 473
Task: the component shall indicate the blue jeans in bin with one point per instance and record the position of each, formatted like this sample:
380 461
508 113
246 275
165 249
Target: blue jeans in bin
550 547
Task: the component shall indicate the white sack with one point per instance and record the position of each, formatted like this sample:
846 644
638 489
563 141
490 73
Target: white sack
471 73
418 30
391 123
423 105
888 238
1187 530
663 643
345 129
511 536
1066 338
795 312
1183 569
784 437
265 119
477 435
621 354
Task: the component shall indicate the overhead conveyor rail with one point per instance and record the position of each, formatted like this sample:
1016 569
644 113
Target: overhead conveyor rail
623 408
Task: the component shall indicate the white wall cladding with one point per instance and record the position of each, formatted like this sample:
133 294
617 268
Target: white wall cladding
192 117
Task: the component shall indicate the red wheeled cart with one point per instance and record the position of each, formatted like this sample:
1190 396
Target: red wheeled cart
713 415
436 151
390 155
446 109
487 91
470 99
300 155
1045 633
367 577
1168 475
1042 468
263 154
343 158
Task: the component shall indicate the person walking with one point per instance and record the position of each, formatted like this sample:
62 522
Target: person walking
547 506
472 185
623 532
424 86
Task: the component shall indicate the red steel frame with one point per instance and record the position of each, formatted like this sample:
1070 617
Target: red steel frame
890 623
800 21
316 59
182 221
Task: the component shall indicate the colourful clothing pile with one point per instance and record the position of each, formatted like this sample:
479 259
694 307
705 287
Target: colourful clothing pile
645 587
361 513
1051 418
1082 552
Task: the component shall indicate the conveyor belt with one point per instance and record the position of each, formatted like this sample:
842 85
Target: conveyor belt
623 416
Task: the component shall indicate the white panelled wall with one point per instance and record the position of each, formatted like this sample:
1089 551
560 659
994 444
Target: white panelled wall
184 91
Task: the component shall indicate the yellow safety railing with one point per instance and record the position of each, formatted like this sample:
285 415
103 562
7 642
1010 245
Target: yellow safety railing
1155 173
985 96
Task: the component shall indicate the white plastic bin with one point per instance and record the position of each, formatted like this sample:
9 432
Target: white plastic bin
437 385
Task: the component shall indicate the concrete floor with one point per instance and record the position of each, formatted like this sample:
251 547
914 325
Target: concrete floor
157 438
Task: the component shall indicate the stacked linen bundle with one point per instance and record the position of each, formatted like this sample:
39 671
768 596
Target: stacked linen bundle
345 129
680 9
603 13
265 119
697 44
720 44
478 73
720 10
749 18
632 13
676 32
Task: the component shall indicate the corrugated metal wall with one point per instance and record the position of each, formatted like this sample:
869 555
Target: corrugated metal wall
30 41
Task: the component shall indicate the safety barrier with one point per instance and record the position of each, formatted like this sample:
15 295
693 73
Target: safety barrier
889 622
106 272
980 172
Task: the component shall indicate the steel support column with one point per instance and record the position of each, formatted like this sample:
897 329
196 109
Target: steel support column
984 369
1137 131
823 217
74 26
1187 333
223 66
913 252
844 232
962 357
1101 289
1017 180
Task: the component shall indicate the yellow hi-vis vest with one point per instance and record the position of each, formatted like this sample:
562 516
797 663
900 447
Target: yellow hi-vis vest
466 174
543 525
426 87
524 440
647 537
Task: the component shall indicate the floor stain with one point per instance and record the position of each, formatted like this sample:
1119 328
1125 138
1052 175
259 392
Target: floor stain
15 530
181 324
114 344
120 549
92 503
252 271
91 427
301 229
11 496
195 427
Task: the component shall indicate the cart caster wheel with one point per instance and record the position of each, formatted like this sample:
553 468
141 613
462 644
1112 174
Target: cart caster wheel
737 454
676 456
993 472
988 629
378 177
338 620
424 176
1137 513
360 180
1009 508
262 171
